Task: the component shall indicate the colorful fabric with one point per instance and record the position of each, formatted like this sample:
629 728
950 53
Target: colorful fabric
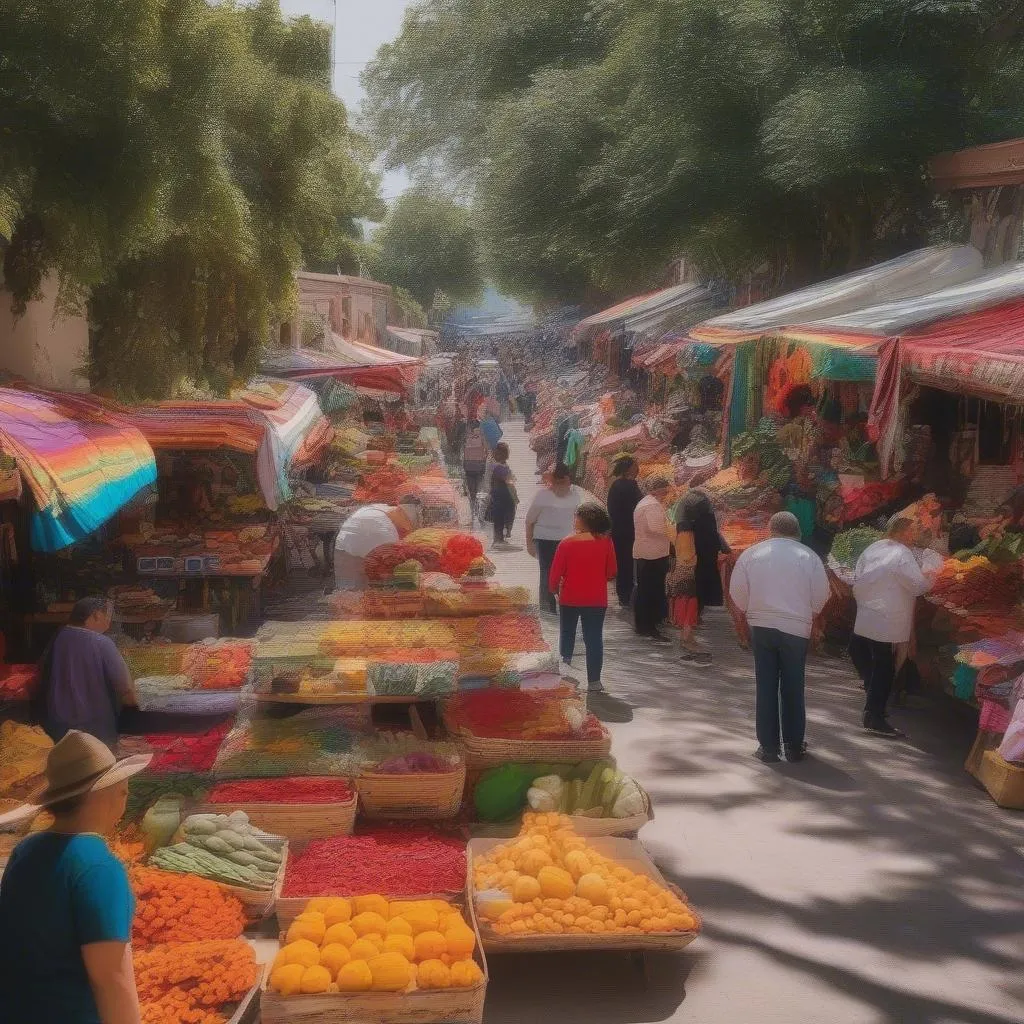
78 461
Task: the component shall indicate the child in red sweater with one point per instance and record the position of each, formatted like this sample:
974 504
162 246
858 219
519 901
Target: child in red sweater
583 565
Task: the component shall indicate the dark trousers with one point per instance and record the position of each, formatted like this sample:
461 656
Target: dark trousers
545 556
779 662
624 578
875 662
651 604
473 478
592 621
502 519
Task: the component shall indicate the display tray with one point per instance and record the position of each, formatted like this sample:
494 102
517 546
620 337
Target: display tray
259 903
630 854
588 827
415 1006
295 822
289 907
418 795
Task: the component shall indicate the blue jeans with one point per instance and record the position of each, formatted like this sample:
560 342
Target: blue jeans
592 620
779 662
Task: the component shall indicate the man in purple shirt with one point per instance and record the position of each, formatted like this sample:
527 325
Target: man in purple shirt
85 681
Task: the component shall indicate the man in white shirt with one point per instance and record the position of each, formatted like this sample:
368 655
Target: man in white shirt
887 583
780 586
549 520
369 528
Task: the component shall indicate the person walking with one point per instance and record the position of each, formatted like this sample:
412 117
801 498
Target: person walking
697 576
66 907
780 586
651 548
549 520
474 465
583 564
623 497
887 582
84 681
503 498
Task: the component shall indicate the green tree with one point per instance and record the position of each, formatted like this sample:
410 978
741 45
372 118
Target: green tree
174 163
427 244
602 138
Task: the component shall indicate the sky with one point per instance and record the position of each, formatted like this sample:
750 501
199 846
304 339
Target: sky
362 25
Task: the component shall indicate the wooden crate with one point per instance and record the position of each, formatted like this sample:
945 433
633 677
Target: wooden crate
417 1006
627 852
482 752
1003 780
419 795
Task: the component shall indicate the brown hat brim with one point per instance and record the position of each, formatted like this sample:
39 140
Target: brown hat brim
121 771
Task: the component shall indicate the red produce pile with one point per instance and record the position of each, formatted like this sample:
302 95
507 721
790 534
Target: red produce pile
395 862
380 562
299 790
187 752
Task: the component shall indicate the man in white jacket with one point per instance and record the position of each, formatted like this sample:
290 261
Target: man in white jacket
888 581
780 586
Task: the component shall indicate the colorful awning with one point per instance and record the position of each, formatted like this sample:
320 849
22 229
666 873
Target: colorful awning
350 361
79 462
300 429
916 274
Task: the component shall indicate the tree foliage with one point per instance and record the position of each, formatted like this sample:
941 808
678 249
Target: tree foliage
427 245
173 162
601 138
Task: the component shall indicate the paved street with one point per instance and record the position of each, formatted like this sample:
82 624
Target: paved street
873 882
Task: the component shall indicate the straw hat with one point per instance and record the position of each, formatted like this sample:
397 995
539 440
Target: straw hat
78 764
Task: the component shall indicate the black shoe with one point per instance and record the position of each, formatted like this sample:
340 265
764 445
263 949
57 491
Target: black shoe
767 756
606 708
884 729
795 753
659 638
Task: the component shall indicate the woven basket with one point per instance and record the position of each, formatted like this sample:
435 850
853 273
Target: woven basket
452 1005
489 753
418 795
1003 780
627 852
259 903
295 821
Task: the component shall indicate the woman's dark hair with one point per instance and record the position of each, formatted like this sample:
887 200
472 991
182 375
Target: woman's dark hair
622 466
561 472
594 518
694 505
86 608
501 452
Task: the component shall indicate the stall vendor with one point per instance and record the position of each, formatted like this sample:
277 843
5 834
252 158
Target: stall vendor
369 528
1011 512
84 681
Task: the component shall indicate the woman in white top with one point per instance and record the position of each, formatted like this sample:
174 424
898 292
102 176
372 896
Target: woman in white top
887 583
369 528
550 520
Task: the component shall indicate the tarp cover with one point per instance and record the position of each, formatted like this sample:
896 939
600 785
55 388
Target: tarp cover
350 361
300 428
917 273
78 461
649 315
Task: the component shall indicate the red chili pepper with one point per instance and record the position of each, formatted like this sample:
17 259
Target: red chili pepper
193 752
391 861
305 790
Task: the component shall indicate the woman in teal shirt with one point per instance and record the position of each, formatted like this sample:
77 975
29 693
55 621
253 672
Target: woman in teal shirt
66 906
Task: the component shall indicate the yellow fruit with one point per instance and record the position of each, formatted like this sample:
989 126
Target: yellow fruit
577 864
355 976
556 883
339 934
533 861
338 911
369 922
430 946
334 957
316 979
399 926
391 972
371 905
466 973
363 949
592 887
400 944
377 940
422 919
398 908
526 889
287 979
433 974
318 905
310 928
460 941
302 952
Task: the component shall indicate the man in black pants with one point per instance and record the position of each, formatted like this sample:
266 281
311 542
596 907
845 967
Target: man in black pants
888 581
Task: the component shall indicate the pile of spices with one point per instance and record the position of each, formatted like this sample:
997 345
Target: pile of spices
295 790
187 752
395 862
